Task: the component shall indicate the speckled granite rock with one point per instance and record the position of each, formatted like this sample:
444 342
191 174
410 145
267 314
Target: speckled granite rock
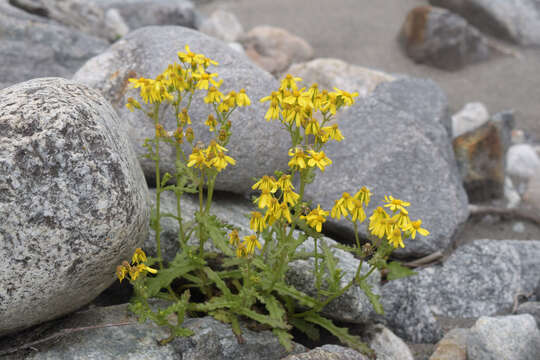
397 143
386 344
453 346
73 199
530 307
259 147
514 337
212 340
480 278
328 352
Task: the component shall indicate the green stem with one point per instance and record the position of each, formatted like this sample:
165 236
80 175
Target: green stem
155 116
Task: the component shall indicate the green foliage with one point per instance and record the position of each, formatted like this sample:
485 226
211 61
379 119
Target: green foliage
246 280
397 271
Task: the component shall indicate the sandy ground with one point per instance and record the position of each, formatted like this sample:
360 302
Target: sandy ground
363 32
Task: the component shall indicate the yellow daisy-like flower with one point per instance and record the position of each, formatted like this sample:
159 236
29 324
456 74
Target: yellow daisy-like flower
264 200
234 239
184 118
318 159
213 95
364 195
138 256
250 243
242 99
285 183
396 204
198 159
312 127
402 219
214 148
211 122
316 218
358 213
339 209
121 272
266 183
220 161
273 111
333 132
257 223
348 98
377 222
204 80
285 212
299 158
414 226
132 104
294 114
289 82
290 197
190 57
395 238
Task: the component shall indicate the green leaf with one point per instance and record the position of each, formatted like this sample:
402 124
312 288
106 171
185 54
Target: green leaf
373 298
284 338
307 328
263 319
341 333
274 307
397 271
299 296
217 302
177 268
220 284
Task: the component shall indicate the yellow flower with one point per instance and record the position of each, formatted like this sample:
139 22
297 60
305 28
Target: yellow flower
298 97
121 272
333 132
284 182
135 271
198 159
312 127
377 222
290 197
402 219
204 80
329 103
233 238
189 135
294 114
273 111
250 243
191 58
138 256
396 204
414 227
179 135
319 159
241 249
132 104
264 200
357 212
211 122
289 82
274 96
364 195
395 238
214 148
213 95
316 218
299 158
266 183
220 161
184 117
242 99
339 209
285 212
346 97
257 223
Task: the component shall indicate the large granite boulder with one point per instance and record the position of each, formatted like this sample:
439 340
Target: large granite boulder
259 147
34 46
397 143
442 39
515 20
73 200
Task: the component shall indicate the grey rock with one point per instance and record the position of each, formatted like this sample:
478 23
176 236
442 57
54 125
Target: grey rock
453 346
529 253
530 307
275 49
514 337
532 193
72 199
328 352
222 25
329 73
511 194
391 137
212 340
440 38
522 161
516 20
259 147
386 344
77 14
33 46
116 23
472 116
140 13
353 306
480 278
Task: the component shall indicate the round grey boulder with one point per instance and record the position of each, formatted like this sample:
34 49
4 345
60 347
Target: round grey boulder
73 200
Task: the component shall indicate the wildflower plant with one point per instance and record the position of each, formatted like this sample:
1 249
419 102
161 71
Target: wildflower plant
246 278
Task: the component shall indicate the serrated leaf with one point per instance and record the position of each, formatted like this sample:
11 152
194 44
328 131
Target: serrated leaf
220 284
397 271
263 319
177 268
341 333
373 298
299 296
307 328
284 338
274 307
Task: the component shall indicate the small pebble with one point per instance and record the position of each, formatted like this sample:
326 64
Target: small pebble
518 227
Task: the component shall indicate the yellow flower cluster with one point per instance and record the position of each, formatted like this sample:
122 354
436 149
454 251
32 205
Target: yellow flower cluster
246 247
277 196
136 267
393 225
352 204
212 156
